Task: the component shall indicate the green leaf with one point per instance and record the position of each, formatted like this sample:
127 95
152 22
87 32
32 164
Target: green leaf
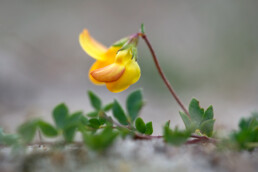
253 124
27 130
119 113
102 120
94 100
47 129
244 124
124 132
175 137
120 42
140 125
73 123
248 123
108 107
100 141
149 128
84 120
93 114
94 123
243 138
186 120
196 113
206 127
8 139
60 114
74 119
69 133
134 52
134 104
247 135
208 114
167 124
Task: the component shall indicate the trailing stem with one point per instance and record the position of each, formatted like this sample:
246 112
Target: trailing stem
167 83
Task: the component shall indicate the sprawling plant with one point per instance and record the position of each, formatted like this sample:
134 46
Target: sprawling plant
117 68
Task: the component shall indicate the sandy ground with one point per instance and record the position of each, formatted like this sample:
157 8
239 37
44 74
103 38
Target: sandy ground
130 156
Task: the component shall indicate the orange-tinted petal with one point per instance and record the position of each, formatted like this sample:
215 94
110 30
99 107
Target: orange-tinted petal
109 59
111 53
131 75
109 73
98 64
92 47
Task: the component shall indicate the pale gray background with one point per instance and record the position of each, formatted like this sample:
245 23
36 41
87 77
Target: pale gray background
208 49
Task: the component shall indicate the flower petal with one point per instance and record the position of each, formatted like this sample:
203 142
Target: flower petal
109 73
131 75
98 64
92 47
111 53
124 56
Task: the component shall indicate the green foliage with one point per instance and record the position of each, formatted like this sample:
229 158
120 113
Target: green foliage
121 42
134 103
119 113
95 100
27 130
108 107
167 124
84 120
71 125
8 139
140 125
99 130
100 141
186 120
142 29
195 111
206 127
94 123
47 129
60 114
93 114
175 137
74 118
247 135
149 128
69 133
208 114
199 120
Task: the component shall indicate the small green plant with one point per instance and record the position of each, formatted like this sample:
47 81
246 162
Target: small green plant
98 130
247 135
117 68
175 137
200 122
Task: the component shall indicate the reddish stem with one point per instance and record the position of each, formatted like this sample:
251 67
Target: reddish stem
170 88
197 139
146 137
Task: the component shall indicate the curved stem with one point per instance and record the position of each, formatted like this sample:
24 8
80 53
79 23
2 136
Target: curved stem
144 37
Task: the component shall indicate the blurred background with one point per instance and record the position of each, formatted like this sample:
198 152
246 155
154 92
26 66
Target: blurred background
208 50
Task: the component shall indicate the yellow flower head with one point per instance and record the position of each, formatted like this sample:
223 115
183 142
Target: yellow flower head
115 66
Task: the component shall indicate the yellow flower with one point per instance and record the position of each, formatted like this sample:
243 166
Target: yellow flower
116 66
